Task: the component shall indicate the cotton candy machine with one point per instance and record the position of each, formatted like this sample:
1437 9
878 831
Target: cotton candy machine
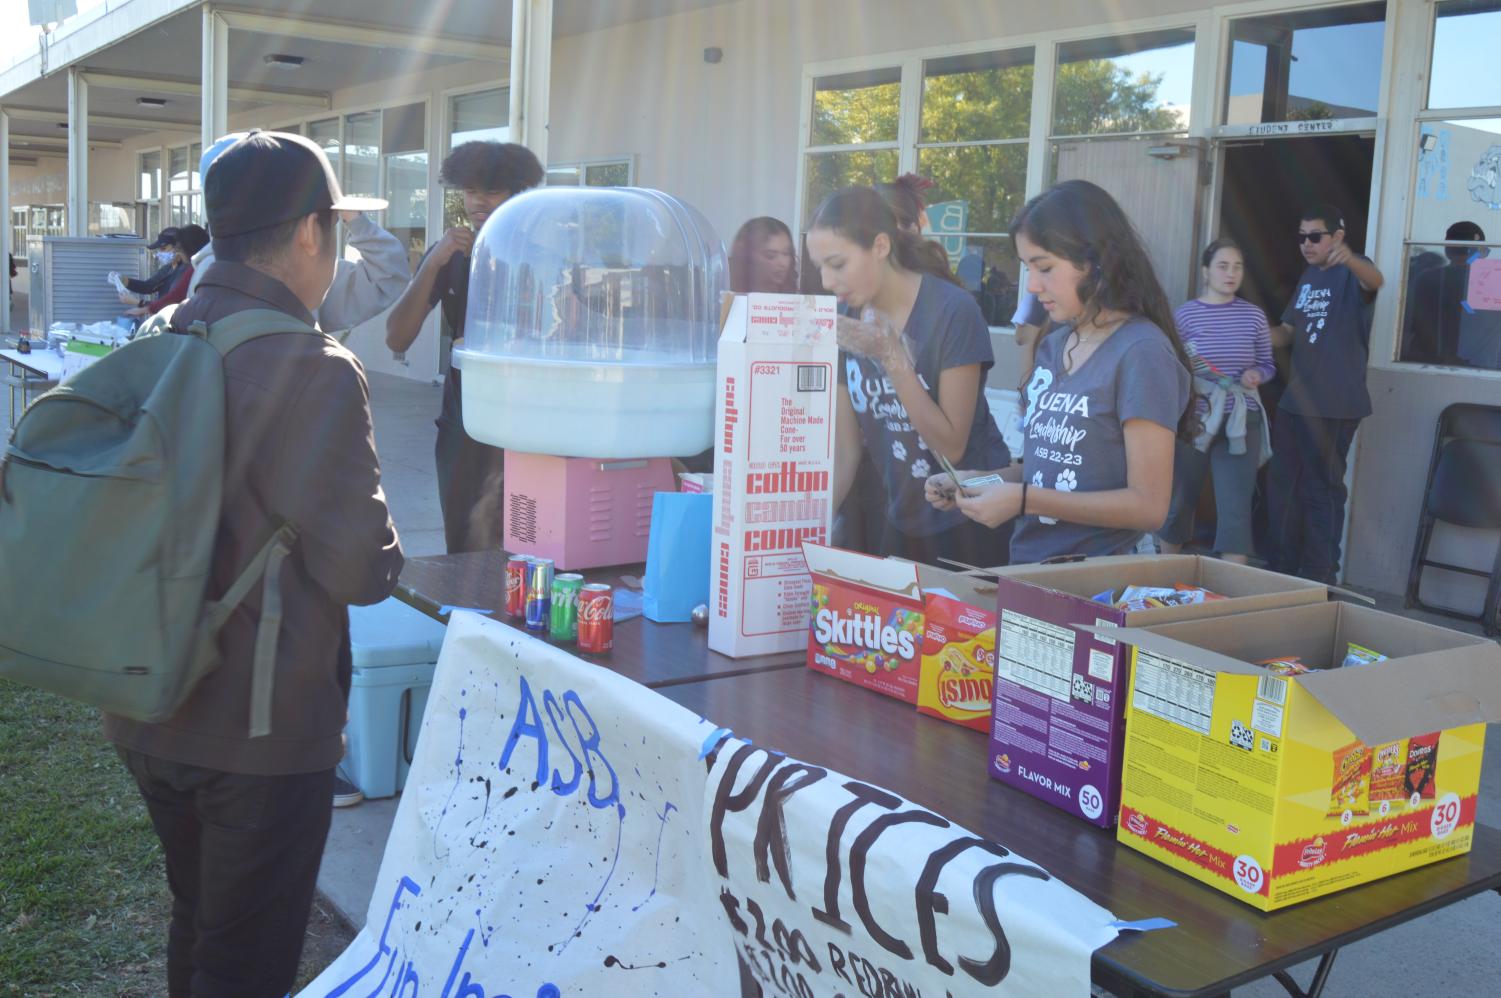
591 335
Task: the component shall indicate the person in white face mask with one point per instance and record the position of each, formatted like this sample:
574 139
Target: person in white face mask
362 288
139 290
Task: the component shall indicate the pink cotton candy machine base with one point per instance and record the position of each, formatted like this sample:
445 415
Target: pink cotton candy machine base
582 512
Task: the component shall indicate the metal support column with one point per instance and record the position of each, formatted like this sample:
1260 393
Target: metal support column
214 116
78 154
531 72
6 229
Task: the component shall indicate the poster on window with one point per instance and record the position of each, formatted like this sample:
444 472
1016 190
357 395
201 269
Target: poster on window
565 831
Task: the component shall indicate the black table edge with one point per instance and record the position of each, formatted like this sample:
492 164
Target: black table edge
1116 973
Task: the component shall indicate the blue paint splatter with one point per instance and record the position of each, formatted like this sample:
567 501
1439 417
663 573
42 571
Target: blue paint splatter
593 906
458 775
484 937
657 864
712 742
549 991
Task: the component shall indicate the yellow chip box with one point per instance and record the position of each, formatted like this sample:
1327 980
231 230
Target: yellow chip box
1277 789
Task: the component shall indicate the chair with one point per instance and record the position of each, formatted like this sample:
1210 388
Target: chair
1464 488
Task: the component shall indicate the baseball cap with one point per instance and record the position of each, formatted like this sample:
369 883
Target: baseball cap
267 178
166 237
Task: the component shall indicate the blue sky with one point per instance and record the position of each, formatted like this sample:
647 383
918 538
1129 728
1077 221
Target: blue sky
1462 46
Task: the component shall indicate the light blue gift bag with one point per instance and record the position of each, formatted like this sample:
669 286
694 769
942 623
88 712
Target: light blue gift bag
677 556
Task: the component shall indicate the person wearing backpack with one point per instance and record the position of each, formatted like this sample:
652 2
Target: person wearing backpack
243 807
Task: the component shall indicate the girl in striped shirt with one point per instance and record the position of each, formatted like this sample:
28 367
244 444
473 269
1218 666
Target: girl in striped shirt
1230 345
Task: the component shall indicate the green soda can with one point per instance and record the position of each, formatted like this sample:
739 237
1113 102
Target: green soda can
565 606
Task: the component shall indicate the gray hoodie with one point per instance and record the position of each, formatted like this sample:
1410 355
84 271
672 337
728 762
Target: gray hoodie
361 290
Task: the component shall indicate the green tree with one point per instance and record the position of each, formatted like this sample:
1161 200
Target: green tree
1092 97
858 114
1097 96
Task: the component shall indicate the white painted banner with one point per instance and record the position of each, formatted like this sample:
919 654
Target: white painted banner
565 831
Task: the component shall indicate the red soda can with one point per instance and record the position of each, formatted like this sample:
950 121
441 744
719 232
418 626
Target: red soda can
596 619
516 585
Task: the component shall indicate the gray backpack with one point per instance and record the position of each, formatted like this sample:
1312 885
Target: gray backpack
110 496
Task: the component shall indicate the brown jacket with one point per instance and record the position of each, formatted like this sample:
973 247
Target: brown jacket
300 447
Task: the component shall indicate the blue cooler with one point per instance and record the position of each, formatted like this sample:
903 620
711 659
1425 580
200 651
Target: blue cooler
395 650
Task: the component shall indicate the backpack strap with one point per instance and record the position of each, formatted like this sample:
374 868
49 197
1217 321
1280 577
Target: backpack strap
265 565
241 327
225 335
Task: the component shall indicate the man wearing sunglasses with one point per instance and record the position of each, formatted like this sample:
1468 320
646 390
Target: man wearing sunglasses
1328 325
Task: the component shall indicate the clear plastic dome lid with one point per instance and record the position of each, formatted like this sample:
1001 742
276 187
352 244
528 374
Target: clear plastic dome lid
596 276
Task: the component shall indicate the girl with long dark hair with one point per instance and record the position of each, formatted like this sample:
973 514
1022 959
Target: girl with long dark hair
1109 393
913 369
762 258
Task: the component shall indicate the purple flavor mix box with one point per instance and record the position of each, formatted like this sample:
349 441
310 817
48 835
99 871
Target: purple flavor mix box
1059 720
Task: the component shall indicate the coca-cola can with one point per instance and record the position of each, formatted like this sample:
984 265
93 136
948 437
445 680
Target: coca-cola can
596 619
539 594
516 585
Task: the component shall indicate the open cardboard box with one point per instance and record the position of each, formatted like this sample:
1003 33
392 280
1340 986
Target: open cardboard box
1061 676
869 617
1276 789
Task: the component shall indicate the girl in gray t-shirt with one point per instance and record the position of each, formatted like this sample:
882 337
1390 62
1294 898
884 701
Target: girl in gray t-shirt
1109 392
912 378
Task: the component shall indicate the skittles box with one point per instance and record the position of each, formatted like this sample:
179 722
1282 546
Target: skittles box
914 632
1280 788
867 620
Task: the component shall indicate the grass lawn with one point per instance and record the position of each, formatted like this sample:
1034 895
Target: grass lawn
83 896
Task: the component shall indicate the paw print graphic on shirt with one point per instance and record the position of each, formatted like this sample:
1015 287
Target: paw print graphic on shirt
1067 481
898 450
921 468
1037 484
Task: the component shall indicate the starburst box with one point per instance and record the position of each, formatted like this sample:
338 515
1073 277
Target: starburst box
1060 686
1276 789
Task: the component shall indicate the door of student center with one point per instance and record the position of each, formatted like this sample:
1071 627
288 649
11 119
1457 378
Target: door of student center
1264 185
1160 184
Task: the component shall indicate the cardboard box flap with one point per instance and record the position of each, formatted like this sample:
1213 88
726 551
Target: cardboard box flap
732 306
803 320
1415 695
972 589
1180 651
891 575
1095 575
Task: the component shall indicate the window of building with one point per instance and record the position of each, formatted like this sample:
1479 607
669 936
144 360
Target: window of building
184 189
1309 65
361 159
329 136
1466 35
1124 84
404 180
480 116
618 172
1451 306
149 191
854 133
973 130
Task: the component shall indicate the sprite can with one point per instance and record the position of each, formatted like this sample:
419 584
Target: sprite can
565 606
